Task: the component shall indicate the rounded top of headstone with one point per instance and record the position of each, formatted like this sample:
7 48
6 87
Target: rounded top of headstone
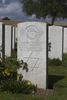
30 22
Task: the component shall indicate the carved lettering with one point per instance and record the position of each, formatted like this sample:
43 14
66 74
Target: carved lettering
34 46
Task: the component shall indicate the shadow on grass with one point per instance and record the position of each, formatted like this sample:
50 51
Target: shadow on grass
52 79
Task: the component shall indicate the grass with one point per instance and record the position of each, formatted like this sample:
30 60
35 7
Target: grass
57 70
61 95
57 78
9 96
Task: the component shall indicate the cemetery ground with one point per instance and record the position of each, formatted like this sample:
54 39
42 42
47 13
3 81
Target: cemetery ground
57 82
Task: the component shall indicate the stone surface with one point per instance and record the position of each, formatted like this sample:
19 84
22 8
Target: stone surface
65 40
8 40
1 40
32 49
13 39
55 38
15 34
2 37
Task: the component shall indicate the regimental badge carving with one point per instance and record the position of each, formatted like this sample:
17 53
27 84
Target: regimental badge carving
32 32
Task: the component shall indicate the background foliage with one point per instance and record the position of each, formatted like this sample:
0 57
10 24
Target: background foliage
10 80
43 8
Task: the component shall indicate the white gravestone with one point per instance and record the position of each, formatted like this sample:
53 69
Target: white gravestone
2 40
32 49
15 34
13 39
55 39
65 40
8 40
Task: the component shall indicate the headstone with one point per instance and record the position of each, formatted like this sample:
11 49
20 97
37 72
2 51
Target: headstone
2 40
15 34
13 39
65 40
8 41
55 40
32 49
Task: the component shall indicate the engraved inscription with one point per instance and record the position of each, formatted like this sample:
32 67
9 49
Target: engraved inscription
34 46
32 32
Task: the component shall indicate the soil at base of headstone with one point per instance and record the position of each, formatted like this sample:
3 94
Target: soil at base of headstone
45 93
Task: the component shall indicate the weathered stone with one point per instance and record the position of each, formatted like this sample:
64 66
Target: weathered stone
32 49
2 40
65 40
55 38
8 40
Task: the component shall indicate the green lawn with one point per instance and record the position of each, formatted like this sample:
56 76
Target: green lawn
57 78
61 95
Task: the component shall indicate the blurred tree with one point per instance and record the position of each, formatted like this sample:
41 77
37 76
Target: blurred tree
42 8
6 18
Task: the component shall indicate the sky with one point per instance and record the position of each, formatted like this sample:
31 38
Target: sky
13 10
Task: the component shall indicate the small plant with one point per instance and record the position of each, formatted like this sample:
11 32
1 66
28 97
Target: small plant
54 62
9 65
64 63
17 86
8 76
58 62
15 46
19 77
